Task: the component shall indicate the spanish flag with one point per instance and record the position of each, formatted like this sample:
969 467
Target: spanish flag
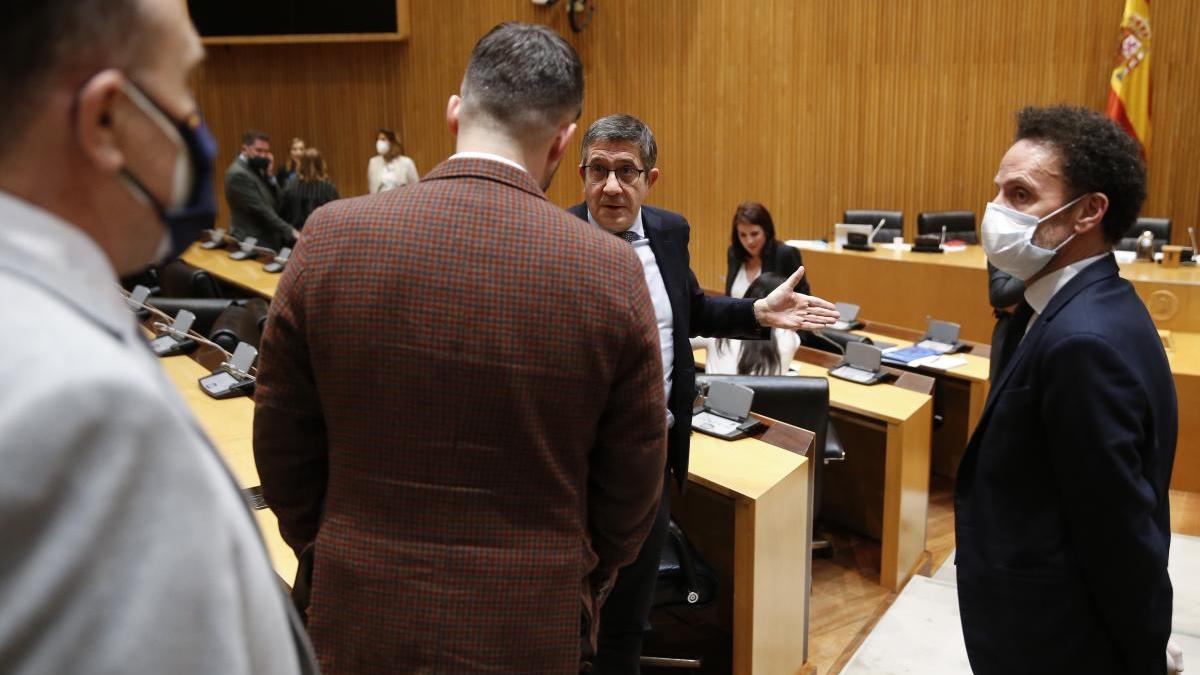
1129 86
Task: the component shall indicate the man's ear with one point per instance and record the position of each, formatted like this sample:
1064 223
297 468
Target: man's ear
1091 212
452 111
561 139
97 117
651 177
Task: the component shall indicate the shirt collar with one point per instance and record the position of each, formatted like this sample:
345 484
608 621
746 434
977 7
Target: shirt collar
1039 293
471 154
51 252
635 227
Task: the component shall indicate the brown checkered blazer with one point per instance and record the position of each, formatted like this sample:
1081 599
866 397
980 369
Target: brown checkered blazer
460 399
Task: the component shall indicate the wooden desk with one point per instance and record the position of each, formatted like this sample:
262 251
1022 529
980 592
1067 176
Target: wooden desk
246 274
902 287
959 397
766 488
230 425
1183 353
907 418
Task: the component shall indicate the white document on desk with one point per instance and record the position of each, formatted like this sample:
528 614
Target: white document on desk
940 362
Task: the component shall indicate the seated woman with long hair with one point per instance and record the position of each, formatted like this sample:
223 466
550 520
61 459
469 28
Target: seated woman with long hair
754 250
751 357
310 189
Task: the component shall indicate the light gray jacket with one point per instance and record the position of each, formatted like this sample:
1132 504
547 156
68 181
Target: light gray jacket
125 545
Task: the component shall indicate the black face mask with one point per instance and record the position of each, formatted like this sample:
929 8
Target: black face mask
259 164
197 211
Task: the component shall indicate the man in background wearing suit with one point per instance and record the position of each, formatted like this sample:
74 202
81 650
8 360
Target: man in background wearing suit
460 394
618 169
253 195
1061 511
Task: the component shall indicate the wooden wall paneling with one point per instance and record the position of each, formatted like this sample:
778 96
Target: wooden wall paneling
808 106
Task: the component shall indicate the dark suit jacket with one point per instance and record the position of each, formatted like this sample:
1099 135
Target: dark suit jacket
302 197
254 207
452 400
784 260
1061 511
694 314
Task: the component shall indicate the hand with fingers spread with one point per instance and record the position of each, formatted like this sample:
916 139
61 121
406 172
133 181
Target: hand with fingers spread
785 308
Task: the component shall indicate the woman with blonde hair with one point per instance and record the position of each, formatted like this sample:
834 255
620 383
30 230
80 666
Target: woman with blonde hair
309 190
292 166
390 168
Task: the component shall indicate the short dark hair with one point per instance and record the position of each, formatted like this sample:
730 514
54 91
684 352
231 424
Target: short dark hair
252 135
524 77
42 39
755 214
622 128
1096 156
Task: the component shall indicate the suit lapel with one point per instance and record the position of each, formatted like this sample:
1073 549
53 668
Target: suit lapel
668 264
1097 271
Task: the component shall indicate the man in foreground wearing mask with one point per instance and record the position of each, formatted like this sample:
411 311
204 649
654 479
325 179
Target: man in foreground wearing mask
127 547
254 196
1061 509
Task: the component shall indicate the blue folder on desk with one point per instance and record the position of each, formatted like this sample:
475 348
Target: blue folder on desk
907 355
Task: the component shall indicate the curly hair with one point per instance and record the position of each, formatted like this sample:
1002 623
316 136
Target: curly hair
1096 155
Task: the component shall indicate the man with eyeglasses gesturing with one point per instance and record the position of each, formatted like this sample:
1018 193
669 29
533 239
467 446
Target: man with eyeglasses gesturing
619 153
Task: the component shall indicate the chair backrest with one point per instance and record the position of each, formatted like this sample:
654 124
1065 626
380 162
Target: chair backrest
831 340
180 280
206 309
1159 227
238 323
893 225
958 224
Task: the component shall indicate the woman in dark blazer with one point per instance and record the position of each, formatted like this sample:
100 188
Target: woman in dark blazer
753 249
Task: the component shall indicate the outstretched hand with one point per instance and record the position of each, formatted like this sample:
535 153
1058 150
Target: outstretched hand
785 308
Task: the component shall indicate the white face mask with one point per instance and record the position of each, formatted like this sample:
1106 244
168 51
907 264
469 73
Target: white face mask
381 147
1007 237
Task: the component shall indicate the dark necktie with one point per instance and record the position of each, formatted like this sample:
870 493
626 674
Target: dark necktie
1013 333
629 236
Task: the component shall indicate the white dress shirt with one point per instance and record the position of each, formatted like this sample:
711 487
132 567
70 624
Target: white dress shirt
471 154
658 296
1039 293
741 283
127 545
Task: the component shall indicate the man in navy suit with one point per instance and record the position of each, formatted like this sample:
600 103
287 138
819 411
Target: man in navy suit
1061 511
619 153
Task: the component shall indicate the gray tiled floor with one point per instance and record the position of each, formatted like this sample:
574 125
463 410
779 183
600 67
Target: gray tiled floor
920 632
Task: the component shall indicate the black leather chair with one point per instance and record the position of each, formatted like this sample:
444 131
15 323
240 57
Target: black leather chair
893 225
958 224
685 580
240 322
178 279
206 309
831 340
801 402
1160 227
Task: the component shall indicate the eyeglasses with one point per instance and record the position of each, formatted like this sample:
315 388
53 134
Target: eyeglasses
628 174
